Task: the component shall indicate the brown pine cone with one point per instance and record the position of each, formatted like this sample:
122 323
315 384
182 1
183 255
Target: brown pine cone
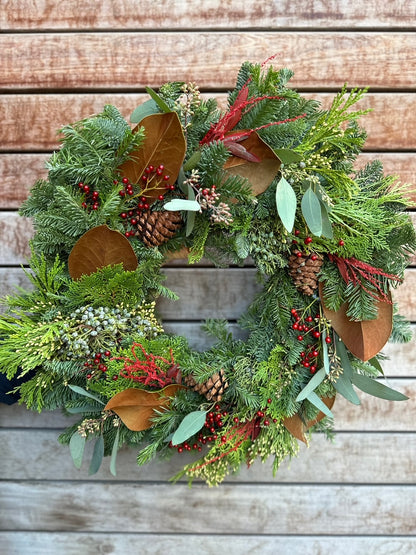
304 271
212 389
155 228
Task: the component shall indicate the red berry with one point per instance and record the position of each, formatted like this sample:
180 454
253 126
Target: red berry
161 167
315 353
312 369
328 340
297 232
317 334
266 423
125 180
269 401
300 337
115 378
308 240
122 193
223 439
123 215
293 311
314 257
180 449
107 353
299 254
341 243
161 197
166 177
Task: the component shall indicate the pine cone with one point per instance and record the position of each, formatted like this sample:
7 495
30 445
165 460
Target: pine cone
304 271
155 228
212 389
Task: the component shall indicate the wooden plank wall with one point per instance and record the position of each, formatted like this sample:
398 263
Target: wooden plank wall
61 61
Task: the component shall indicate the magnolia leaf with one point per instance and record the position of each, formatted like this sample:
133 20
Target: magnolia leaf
377 389
146 109
191 424
366 338
82 391
165 144
100 247
312 385
295 425
344 387
137 407
287 156
286 203
114 452
259 174
159 101
182 204
311 210
97 455
76 448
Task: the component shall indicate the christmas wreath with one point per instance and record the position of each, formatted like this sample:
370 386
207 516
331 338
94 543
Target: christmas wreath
270 179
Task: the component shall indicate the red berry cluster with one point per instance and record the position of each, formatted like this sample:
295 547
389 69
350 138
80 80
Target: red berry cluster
96 367
308 329
213 424
91 197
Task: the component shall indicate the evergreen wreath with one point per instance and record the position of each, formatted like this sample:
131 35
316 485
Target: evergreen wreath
271 179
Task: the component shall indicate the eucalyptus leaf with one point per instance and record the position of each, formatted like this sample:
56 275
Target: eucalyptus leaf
311 210
84 408
319 404
181 181
325 354
159 101
182 204
190 217
114 452
345 359
76 448
82 391
377 389
242 245
97 455
344 387
375 364
191 424
326 223
286 203
287 156
146 109
192 161
312 385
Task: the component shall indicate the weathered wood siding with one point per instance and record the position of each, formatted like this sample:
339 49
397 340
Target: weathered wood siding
61 61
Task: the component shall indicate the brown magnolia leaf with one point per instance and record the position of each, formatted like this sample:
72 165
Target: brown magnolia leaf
364 339
100 247
297 427
164 143
260 174
136 407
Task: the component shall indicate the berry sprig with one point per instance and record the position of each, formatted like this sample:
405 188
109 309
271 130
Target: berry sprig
153 178
309 328
90 198
97 366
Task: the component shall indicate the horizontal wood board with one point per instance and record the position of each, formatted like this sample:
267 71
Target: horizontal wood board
115 61
31 121
63 61
210 14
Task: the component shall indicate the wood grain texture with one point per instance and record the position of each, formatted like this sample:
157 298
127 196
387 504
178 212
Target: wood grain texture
248 509
373 415
20 171
127 60
200 298
390 126
44 543
346 459
233 14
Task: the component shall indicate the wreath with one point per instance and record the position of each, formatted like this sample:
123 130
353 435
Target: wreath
268 180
